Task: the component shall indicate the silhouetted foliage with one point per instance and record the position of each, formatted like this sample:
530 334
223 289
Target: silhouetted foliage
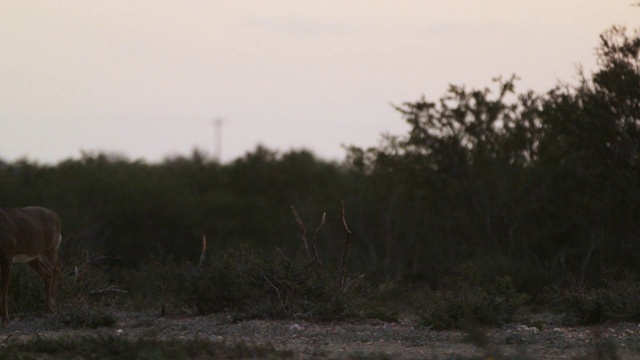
537 187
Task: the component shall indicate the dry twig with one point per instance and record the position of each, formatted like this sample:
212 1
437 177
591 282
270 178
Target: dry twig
202 255
283 255
351 281
112 289
315 237
345 249
163 310
303 233
273 286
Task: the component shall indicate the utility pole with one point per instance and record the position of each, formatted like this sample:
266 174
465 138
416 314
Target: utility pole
217 139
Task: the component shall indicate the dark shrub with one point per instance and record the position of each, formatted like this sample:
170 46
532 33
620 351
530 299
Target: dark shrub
466 299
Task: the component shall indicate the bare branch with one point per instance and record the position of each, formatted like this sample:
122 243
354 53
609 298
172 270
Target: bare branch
283 255
163 310
100 258
315 237
273 286
345 249
344 220
349 282
112 289
204 250
302 230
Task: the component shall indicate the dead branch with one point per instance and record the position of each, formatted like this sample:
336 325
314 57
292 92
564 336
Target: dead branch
202 255
99 259
345 249
109 289
302 230
163 311
273 286
350 282
315 237
283 255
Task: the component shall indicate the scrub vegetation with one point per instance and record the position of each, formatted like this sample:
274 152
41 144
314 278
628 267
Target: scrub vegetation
496 202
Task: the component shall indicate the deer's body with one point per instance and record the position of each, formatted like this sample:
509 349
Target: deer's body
30 235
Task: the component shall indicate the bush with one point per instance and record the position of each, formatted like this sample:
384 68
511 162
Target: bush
84 316
249 285
224 283
83 276
160 282
468 300
26 290
616 300
300 288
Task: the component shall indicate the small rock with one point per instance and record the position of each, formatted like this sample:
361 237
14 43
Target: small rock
119 332
216 338
296 327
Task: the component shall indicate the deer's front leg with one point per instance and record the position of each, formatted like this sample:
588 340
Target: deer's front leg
5 273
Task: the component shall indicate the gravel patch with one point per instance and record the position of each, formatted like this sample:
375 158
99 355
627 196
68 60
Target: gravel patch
316 340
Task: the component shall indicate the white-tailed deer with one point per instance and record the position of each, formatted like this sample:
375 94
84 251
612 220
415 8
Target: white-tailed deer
30 235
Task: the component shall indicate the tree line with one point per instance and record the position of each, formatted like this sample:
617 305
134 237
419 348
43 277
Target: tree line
542 187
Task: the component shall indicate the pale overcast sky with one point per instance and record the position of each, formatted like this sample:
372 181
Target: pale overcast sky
146 78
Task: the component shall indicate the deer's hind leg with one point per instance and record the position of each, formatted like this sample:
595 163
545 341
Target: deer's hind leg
48 274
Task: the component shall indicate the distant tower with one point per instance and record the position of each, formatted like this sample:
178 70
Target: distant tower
217 139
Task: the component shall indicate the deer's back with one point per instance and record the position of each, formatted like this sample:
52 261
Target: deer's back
29 231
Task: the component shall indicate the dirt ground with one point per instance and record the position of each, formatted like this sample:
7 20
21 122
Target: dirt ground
367 339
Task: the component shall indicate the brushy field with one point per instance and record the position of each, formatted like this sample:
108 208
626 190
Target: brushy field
244 304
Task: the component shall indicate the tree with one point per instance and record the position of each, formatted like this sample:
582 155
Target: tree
547 181
589 156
